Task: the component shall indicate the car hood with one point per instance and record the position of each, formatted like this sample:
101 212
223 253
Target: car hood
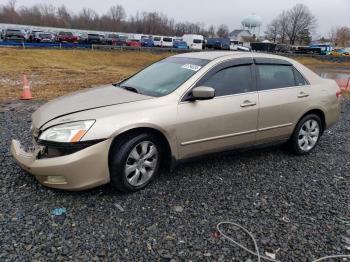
84 100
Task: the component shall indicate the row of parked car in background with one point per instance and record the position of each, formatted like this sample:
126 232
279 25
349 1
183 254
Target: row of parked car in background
188 41
315 48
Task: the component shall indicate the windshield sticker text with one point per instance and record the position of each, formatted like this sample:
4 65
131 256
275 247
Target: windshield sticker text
191 67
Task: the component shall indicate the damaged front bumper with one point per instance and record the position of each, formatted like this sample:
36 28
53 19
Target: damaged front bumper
84 169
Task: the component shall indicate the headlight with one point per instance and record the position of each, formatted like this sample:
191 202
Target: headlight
67 133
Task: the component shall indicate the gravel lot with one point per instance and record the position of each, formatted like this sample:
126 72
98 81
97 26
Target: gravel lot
297 207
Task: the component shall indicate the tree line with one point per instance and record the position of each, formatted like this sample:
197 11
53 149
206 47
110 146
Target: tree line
115 20
340 36
293 26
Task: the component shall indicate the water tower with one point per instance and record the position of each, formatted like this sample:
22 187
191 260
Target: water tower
253 24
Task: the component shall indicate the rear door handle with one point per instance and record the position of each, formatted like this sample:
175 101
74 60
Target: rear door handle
302 94
247 103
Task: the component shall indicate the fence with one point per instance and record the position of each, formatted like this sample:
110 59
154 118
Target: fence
92 46
339 59
43 45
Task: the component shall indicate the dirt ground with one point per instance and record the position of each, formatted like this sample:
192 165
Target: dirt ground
56 72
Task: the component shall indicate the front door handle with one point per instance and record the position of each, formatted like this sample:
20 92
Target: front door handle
247 103
302 94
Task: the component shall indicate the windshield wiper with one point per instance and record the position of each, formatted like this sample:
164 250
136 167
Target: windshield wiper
130 88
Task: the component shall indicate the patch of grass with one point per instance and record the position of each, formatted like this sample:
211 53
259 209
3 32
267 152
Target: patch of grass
56 72
346 94
314 62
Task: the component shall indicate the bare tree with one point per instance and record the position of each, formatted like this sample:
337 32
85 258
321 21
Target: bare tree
87 19
153 23
117 13
9 13
283 21
48 15
211 31
31 15
300 19
272 30
332 35
343 36
223 31
64 18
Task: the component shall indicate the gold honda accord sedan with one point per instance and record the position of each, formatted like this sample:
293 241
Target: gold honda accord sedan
180 107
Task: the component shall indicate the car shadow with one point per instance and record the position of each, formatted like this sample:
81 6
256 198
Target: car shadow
232 157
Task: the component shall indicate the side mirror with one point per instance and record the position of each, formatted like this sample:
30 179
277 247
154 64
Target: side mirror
203 93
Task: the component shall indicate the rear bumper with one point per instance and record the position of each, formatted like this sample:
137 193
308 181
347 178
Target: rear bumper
82 170
332 115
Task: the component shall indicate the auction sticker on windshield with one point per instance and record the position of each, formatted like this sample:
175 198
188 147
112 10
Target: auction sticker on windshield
192 67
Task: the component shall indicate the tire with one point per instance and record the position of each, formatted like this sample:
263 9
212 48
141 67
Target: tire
306 135
123 155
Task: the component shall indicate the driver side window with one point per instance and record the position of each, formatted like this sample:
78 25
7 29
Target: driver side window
231 80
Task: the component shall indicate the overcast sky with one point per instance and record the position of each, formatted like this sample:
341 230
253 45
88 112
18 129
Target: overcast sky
230 12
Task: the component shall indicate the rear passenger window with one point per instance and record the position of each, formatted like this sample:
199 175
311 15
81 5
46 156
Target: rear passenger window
299 79
231 80
275 76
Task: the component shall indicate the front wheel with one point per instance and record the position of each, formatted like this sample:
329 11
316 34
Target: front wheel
306 135
134 162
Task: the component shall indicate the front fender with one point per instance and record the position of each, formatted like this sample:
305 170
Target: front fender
168 134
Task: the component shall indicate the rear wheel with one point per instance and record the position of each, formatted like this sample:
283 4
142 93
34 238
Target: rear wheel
135 162
306 135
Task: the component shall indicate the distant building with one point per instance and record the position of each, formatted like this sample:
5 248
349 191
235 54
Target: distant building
240 35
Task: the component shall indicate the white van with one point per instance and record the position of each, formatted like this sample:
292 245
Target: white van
194 41
163 41
167 41
157 40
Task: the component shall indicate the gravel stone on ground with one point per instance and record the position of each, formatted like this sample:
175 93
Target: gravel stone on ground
298 206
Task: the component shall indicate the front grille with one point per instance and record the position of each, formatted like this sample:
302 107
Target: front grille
54 149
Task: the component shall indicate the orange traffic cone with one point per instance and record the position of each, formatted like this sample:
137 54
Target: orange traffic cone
26 94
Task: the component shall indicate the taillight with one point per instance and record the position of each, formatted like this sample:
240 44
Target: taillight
338 93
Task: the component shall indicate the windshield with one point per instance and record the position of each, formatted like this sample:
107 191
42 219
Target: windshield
45 35
66 33
157 38
165 76
167 39
14 32
197 41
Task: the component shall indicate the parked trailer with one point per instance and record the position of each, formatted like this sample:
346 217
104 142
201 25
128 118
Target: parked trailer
307 50
263 47
326 49
218 43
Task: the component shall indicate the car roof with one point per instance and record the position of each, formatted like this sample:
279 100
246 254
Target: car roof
213 55
210 55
